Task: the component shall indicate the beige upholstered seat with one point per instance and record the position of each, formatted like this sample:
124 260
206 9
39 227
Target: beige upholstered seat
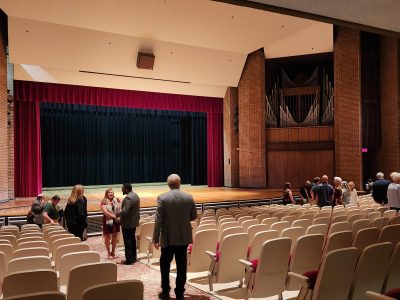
230 224
390 233
269 221
293 233
305 257
121 290
224 265
365 237
334 277
54 238
380 222
373 215
257 242
29 239
87 275
8 251
245 218
64 241
71 260
267 276
39 281
24 234
3 267
29 263
305 223
366 211
204 240
377 296
29 226
394 220
322 220
247 223
11 238
338 240
206 226
356 217
360 224
290 219
38 251
65 249
33 244
38 296
143 242
318 229
280 226
392 277
370 270
339 226
253 229
353 212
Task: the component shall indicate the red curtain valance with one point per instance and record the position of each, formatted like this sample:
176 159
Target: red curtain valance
27 154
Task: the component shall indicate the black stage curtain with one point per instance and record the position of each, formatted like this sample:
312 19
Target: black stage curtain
95 145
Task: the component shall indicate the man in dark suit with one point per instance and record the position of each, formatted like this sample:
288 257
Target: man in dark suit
175 210
129 219
379 189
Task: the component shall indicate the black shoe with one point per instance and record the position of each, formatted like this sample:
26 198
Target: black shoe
180 297
125 262
163 296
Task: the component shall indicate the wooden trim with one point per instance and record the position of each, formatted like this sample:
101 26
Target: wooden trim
311 16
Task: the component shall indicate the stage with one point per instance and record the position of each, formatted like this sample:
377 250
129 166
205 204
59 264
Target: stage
148 196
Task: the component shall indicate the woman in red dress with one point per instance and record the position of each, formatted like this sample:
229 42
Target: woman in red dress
109 206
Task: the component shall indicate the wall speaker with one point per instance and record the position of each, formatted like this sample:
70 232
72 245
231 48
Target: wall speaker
145 61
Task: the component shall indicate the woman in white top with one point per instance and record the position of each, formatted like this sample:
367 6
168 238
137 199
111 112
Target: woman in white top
353 193
393 192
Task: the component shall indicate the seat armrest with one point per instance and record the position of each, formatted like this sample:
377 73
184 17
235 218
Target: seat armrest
246 263
150 239
303 280
212 255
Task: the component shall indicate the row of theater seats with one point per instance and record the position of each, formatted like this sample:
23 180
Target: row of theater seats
56 264
285 239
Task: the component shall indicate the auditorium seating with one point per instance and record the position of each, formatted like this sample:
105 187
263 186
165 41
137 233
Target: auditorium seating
205 240
121 290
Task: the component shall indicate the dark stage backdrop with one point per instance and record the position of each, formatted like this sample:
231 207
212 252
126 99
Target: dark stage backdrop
105 145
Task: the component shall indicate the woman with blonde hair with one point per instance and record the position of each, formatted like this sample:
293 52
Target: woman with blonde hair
110 205
76 212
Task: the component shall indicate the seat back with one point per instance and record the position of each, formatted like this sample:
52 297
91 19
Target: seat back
38 251
70 260
8 251
390 233
11 238
127 289
380 222
305 223
29 263
355 217
206 227
57 237
293 233
204 240
353 212
30 234
247 223
280 226
29 226
394 220
322 220
230 230
259 239
305 257
365 237
65 249
244 218
335 275
39 281
318 229
225 225
374 215
392 278
340 218
338 240
33 244
360 224
39 296
3 266
87 275
29 239
339 226
253 229
147 230
290 219
272 268
232 248
63 242
371 270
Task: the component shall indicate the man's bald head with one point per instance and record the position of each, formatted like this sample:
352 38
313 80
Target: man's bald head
174 181
324 178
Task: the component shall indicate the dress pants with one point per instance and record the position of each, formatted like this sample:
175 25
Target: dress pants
130 244
167 254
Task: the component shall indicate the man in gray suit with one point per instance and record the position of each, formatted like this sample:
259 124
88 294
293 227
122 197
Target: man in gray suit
175 210
129 218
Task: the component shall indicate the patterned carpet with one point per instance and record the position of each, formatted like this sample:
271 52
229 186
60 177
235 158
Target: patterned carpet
150 276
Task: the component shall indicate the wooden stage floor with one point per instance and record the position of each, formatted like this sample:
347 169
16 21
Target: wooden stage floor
147 193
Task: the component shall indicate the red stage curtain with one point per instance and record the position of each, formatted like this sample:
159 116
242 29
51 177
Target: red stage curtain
27 91
27 153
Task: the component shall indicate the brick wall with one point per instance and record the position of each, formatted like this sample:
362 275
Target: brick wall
251 93
348 159
231 138
4 189
387 158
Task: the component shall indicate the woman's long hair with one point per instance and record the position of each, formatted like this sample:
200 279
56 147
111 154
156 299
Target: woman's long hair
106 194
77 193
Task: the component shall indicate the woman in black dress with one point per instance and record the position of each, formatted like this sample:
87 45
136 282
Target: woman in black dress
76 212
287 194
